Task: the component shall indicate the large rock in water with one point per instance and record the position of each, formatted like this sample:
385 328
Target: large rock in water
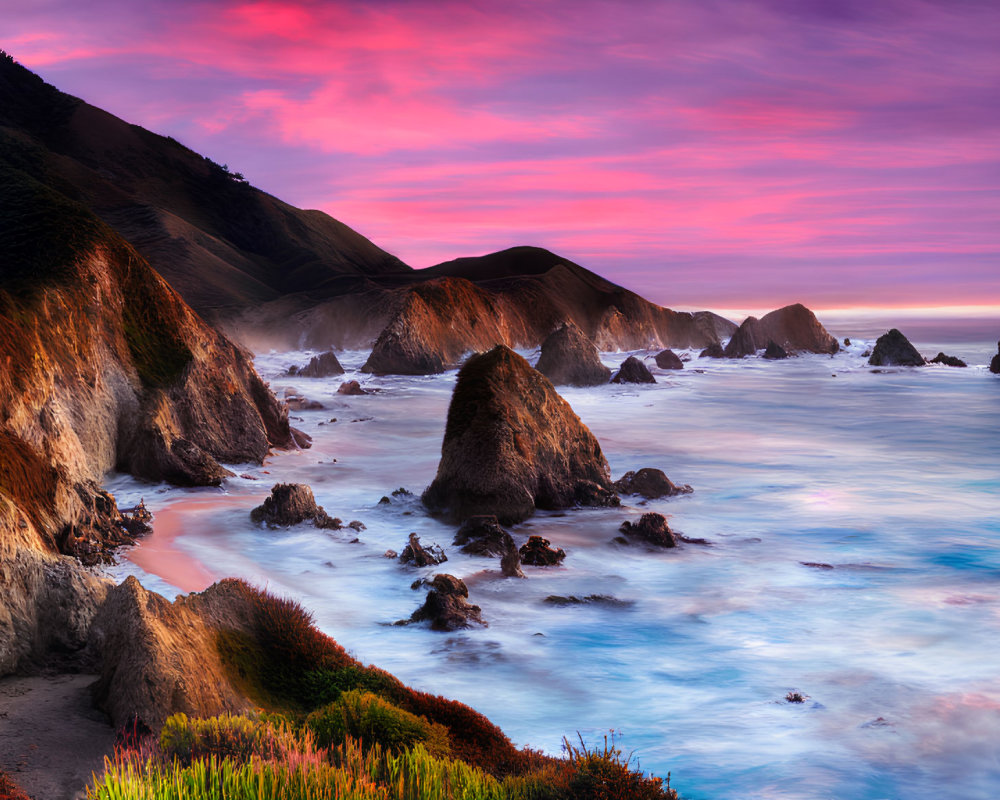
570 358
892 349
447 606
668 359
512 444
290 504
995 362
322 366
649 483
794 328
633 370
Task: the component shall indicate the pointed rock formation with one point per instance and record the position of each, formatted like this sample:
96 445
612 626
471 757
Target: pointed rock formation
668 359
570 358
892 349
633 370
324 365
512 444
995 362
794 328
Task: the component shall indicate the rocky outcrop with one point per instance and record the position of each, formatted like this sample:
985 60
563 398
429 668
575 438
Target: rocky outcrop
291 504
714 350
324 365
538 552
948 361
651 529
633 370
649 483
419 556
774 352
447 606
794 328
995 362
570 358
892 349
668 359
512 444
482 535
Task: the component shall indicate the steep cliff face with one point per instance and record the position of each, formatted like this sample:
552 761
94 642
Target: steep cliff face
103 366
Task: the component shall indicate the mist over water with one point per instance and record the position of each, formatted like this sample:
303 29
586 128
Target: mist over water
887 483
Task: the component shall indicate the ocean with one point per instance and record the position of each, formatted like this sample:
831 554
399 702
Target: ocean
853 521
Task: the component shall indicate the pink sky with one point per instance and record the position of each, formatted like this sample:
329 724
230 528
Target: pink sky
705 153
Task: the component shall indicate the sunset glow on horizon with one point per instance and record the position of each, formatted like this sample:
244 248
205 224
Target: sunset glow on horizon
728 154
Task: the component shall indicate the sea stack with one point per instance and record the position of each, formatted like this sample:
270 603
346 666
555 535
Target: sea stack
512 444
633 370
892 349
570 358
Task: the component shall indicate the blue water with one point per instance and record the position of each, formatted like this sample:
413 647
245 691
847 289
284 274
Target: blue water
893 479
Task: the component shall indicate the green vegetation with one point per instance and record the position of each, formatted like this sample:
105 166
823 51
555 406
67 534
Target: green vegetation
263 758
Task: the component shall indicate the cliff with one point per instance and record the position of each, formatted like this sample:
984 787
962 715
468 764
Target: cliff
103 367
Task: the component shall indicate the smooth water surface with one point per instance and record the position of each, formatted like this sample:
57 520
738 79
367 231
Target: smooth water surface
853 520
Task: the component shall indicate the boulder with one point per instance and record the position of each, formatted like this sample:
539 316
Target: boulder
995 362
794 328
774 351
570 358
350 388
668 359
324 365
652 529
510 562
948 361
650 483
482 536
892 349
633 370
714 350
512 444
538 552
420 556
290 504
447 607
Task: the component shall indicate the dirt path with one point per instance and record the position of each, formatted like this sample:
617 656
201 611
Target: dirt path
51 738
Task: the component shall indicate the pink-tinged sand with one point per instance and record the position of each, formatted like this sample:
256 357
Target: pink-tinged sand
159 554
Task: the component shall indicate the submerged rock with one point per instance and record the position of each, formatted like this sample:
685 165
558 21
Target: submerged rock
512 444
652 529
350 388
774 352
324 365
447 607
892 349
668 359
538 552
590 599
948 361
650 483
633 370
290 504
570 358
420 556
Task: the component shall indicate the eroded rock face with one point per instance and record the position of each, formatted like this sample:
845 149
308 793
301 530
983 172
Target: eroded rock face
633 370
893 349
419 556
291 504
512 444
447 607
668 359
794 328
650 483
948 361
651 529
570 358
324 365
100 527
538 552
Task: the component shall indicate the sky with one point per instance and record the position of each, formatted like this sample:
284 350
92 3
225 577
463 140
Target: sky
725 154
